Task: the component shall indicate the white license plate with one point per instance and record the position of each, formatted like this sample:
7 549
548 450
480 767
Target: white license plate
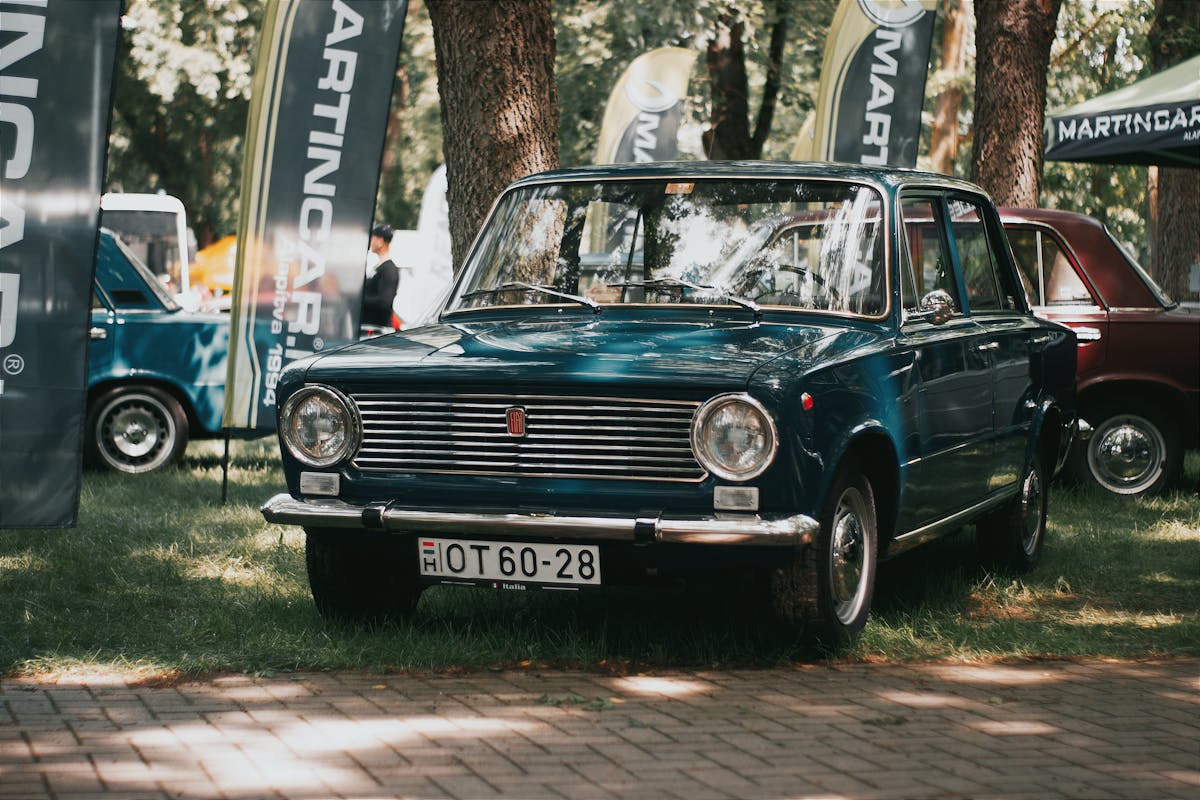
509 564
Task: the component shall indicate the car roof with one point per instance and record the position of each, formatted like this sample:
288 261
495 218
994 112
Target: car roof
1049 216
893 177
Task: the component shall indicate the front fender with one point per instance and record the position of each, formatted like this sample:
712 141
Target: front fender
1052 434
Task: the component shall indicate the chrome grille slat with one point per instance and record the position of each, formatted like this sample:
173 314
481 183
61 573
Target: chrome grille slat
611 438
460 434
404 445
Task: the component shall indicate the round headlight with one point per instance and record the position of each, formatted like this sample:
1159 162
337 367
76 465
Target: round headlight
320 426
733 437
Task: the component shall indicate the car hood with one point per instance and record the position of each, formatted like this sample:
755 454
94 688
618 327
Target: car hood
678 352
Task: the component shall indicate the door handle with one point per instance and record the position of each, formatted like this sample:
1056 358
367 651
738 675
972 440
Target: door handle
97 333
983 348
1038 341
1087 334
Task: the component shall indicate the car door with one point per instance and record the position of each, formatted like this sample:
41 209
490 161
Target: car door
951 415
1009 337
101 334
1058 292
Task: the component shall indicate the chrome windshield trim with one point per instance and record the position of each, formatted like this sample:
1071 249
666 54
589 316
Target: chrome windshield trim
882 187
743 530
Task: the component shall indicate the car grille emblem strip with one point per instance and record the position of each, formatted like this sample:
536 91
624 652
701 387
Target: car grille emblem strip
484 434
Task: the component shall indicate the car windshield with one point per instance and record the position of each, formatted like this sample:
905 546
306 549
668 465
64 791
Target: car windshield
743 243
151 281
1159 293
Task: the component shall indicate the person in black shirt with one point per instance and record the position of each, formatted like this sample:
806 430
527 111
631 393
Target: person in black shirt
379 290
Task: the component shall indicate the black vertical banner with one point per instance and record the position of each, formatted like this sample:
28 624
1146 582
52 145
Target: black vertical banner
873 82
56 66
314 142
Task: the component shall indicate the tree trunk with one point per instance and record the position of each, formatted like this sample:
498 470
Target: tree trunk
499 102
391 167
1012 39
728 135
943 148
1175 238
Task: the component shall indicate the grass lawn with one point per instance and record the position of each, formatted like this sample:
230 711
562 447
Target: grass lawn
160 579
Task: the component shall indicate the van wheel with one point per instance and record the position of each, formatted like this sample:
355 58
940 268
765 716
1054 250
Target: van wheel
1134 450
1012 537
136 429
361 576
825 593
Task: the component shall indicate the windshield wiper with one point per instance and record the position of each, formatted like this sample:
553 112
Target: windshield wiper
510 286
679 283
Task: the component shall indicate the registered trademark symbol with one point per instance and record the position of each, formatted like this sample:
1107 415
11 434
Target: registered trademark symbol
14 364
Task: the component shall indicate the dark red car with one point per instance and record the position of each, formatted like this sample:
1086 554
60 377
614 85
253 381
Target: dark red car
1138 373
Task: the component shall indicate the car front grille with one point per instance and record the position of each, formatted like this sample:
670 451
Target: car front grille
576 437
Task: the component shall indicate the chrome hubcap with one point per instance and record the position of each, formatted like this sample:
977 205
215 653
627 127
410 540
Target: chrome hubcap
848 556
1127 454
135 433
1031 511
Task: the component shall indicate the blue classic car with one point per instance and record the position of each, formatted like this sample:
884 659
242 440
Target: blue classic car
156 373
672 370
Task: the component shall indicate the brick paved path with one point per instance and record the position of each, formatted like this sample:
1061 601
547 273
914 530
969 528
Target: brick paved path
1047 730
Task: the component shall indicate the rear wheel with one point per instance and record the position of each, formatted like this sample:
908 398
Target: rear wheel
826 591
1134 450
136 429
361 576
1012 537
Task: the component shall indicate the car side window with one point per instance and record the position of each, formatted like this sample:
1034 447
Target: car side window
120 281
980 267
1052 279
926 266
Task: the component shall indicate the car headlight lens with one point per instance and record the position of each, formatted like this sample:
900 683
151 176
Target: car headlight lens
320 426
734 437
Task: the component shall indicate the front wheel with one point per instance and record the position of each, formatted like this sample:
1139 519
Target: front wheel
361 576
1133 450
826 591
136 429
1012 537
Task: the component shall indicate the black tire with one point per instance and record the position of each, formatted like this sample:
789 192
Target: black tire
825 593
360 576
136 429
1135 450
1012 537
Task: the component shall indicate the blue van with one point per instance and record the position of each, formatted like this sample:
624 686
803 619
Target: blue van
156 373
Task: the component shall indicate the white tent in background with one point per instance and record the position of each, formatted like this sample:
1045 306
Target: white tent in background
423 256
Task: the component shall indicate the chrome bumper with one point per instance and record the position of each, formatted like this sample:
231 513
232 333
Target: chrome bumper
793 531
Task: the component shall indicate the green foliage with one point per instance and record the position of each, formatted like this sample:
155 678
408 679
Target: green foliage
181 93
160 578
183 85
414 142
1101 46
598 39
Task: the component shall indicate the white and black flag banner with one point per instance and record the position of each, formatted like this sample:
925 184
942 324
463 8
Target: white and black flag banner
56 67
873 82
314 142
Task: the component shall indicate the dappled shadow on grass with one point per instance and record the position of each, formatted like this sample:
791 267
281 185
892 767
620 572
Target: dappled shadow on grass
259 453
1117 577
231 594
611 628
160 574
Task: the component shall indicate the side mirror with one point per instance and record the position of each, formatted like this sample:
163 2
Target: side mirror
937 306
